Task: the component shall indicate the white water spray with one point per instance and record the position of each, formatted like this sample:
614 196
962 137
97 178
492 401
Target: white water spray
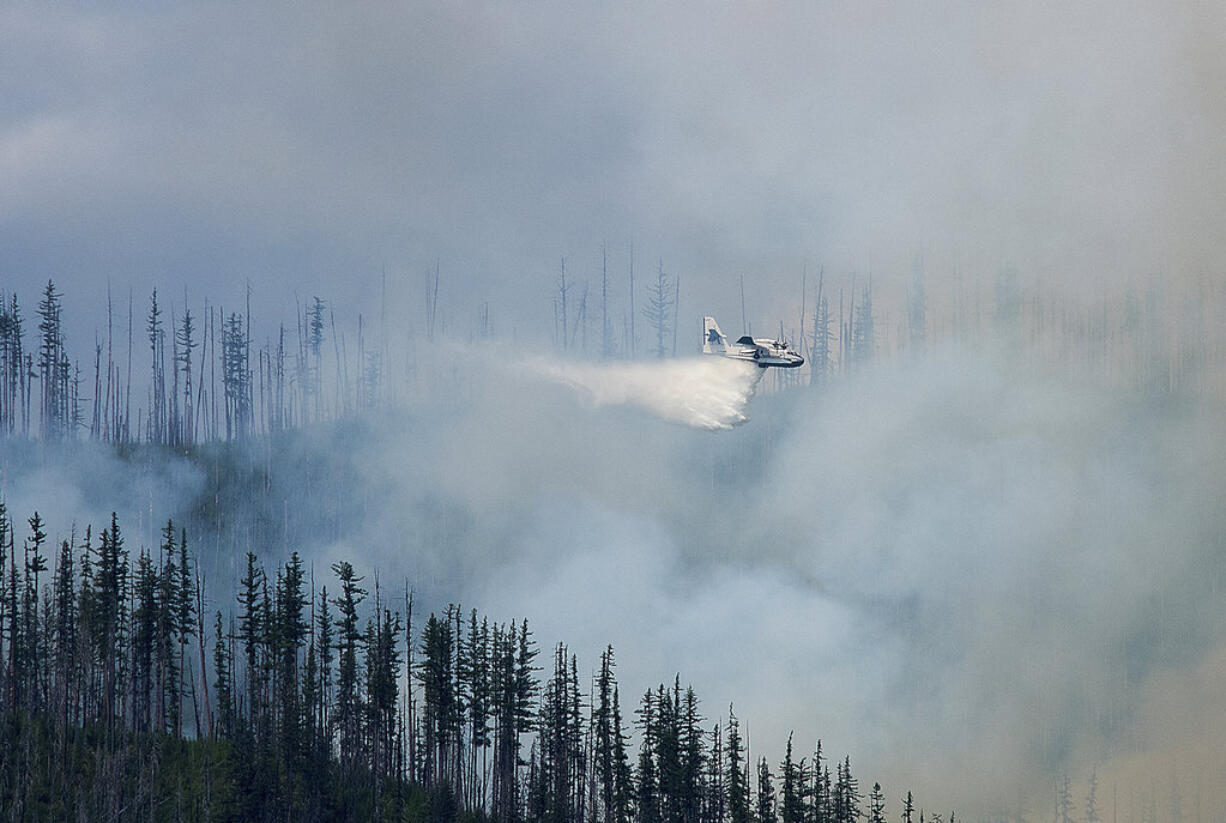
704 392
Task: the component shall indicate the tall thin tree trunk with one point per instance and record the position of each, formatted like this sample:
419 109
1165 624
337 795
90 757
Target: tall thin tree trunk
127 413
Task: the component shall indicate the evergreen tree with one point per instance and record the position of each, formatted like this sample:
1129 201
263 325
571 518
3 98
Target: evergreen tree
64 640
251 631
738 790
846 797
560 765
290 636
692 756
876 805
12 360
439 711
766 794
623 780
602 722
648 781
792 808
92 687
185 343
31 634
184 613
315 339
169 705
157 380
15 633
324 647
659 309
479 698
821 351
382 689
223 683
822 812
54 415
144 636
109 614
236 377
715 795
348 698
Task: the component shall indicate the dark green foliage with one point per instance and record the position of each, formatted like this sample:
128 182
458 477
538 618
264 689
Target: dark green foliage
876 805
558 785
54 369
223 685
846 799
792 807
611 769
236 377
13 374
100 710
766 794
737 779
349 707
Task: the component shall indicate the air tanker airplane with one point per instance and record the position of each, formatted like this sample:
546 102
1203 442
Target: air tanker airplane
759 350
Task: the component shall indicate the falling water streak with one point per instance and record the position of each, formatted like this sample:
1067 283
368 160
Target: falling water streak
706 393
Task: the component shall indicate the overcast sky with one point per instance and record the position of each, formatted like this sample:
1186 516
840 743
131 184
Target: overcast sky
317 148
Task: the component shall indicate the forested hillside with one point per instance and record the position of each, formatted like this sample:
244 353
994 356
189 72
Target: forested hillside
179 376
975 544
126 695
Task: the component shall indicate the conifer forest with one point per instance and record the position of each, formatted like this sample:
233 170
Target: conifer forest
202 670
123 699
555 412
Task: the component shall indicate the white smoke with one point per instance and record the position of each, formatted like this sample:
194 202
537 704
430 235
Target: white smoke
703 392
968 573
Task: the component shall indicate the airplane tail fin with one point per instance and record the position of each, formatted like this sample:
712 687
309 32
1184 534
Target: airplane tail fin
713 340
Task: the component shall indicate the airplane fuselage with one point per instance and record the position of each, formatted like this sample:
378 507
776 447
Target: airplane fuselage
760 351
764 352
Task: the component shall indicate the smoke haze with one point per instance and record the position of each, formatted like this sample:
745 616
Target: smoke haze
324 149
971 570
970 573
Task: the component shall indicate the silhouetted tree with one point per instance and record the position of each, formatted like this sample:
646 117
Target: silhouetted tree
737 778
659 309
53 370
876 805
348 698
765 795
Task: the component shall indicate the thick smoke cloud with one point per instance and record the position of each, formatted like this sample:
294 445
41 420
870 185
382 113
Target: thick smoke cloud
81 484
281 144
969 573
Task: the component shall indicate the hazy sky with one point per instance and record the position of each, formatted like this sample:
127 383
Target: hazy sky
315 148
1032 566
969 574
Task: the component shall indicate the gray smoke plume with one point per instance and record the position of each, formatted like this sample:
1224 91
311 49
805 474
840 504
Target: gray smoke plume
971 573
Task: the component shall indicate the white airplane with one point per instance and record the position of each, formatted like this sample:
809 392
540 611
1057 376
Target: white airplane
759 350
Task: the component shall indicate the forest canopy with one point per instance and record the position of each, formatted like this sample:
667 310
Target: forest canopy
124 693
